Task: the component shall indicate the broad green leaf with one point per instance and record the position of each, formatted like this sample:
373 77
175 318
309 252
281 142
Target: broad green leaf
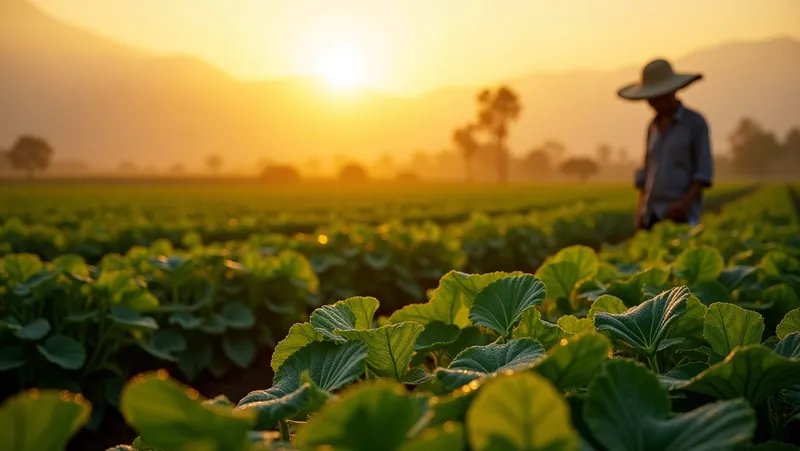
389 347
607 303
584 257
63 351
469 336
195 358
559 278
21 267
573 325
680 374
370 416
450 436
451 301
165 344
213 324
479 361
501 304
644 327
305 380
690 324
351 314
752 373
575 361
129 317
11 357
782 298
520 412
186 320
789 324
240 350
627 410
731 278
364 309
699 264
533 326
728 326
789 346
777 263
170 416
299 335
436 335
329 319
710 292
417 376
631 291
34 330
41 420
73 264
237 316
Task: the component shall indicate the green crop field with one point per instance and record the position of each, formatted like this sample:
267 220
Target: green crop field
242 316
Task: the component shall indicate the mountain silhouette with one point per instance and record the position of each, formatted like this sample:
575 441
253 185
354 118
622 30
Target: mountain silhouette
102 102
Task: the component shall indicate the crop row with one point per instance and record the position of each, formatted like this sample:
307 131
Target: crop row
93 231
88 328
696 346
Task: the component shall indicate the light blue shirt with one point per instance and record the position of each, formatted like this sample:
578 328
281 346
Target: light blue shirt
674 160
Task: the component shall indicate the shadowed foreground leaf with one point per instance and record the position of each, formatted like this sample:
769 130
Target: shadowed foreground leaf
479 361
370 416
327 367
41 420
172 417
752 373
520 412
627 410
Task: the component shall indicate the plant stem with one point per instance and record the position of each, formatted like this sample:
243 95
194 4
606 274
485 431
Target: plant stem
284 428
653 363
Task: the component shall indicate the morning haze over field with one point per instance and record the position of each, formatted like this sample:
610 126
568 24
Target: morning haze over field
168 83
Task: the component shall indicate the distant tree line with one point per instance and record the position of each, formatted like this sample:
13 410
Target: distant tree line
757 152
480 150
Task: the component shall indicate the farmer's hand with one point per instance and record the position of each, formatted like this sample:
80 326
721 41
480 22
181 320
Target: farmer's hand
677 212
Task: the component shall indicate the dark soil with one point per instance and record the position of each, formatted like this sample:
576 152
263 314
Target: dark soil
235 385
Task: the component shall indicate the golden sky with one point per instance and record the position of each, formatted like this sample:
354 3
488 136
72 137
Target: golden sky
413 46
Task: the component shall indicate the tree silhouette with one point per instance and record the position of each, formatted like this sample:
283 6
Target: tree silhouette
791 148
554 149
30 154
604 152
280 173
754 149
467 146
353 172
622 155
580 167
537 163
214 163
496 110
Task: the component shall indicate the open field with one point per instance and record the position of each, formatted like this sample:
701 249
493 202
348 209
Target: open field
474 296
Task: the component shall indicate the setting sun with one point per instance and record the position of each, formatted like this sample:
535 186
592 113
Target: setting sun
341 67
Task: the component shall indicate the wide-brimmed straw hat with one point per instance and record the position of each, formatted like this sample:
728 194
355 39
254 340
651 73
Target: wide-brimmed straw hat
657 79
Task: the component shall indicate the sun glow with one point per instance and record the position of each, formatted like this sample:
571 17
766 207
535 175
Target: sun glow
341 67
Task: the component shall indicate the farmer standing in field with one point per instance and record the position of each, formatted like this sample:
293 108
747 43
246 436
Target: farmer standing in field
677 164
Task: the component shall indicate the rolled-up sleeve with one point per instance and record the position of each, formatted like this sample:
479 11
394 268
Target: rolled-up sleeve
703 162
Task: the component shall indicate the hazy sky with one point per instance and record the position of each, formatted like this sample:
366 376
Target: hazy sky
409 46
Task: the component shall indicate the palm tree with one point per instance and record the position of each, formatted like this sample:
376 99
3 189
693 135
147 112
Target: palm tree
496 110
467 146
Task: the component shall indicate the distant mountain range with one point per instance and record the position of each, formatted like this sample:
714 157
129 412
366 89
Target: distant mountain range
102 102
